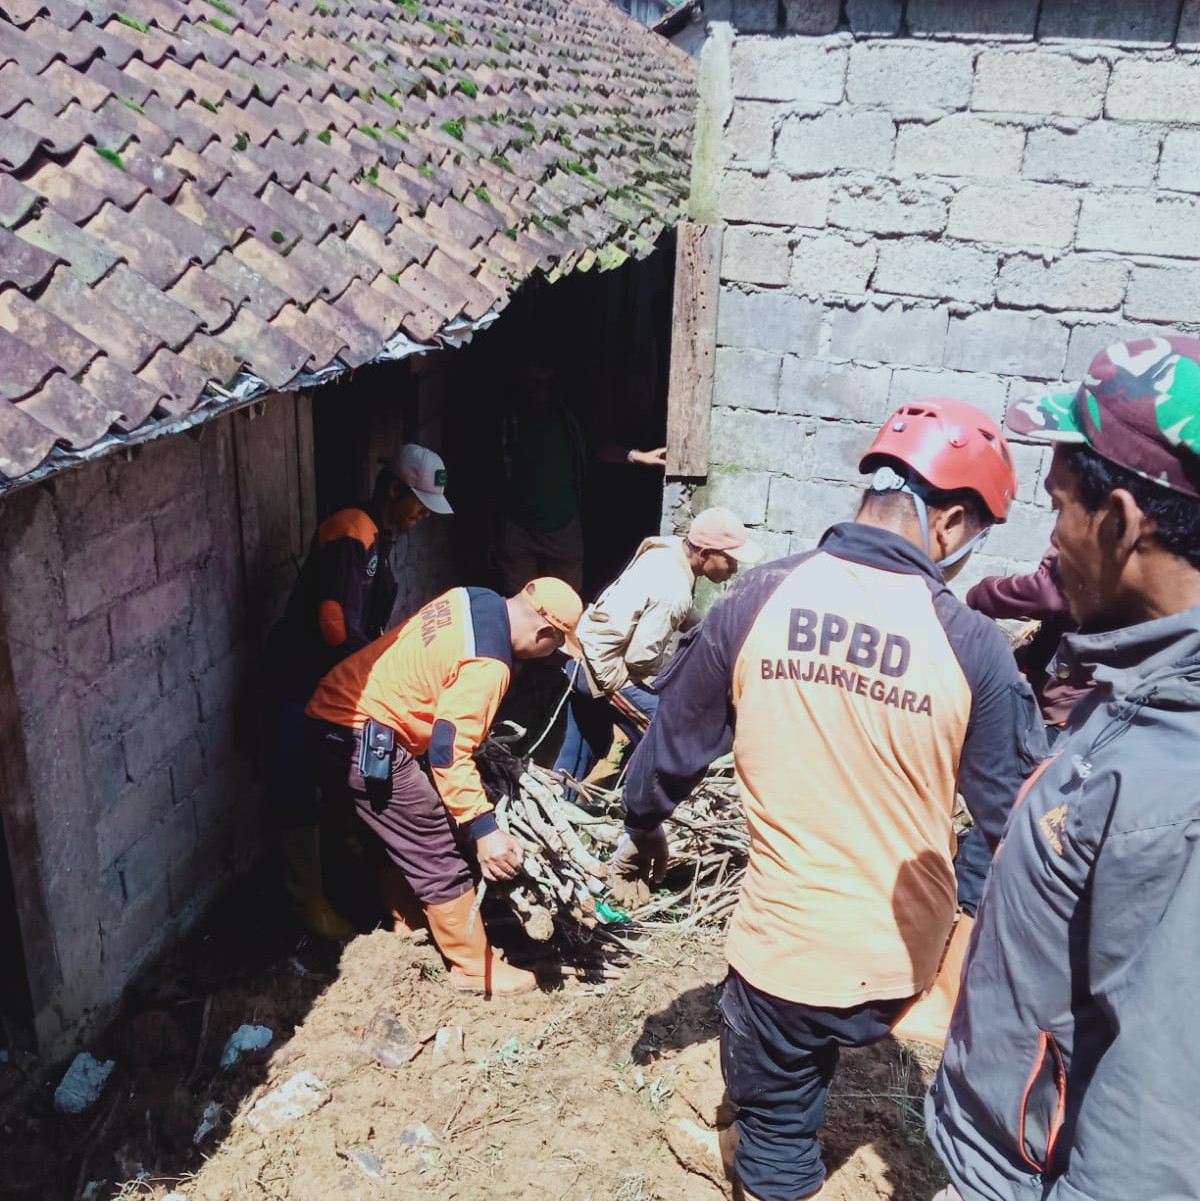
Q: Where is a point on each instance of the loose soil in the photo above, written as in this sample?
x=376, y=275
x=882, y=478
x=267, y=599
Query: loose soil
x=594, y=1088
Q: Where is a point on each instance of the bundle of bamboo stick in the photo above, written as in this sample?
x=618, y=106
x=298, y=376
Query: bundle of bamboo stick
x=567, y=843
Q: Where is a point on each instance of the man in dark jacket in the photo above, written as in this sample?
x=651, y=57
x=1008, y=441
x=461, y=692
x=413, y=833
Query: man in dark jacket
x=1070, y=1072
x=858, y=694
x=341, y=601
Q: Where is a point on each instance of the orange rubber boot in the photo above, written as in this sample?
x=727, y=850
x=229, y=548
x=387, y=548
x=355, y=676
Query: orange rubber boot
x=474, y=965
x=399, y=902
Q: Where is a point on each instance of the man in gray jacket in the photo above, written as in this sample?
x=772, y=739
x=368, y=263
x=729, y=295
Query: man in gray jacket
x=1070, y=1072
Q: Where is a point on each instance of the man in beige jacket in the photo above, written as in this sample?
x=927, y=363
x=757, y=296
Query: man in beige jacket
x=628, y=633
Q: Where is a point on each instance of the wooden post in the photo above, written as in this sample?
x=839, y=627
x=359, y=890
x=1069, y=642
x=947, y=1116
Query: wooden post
x=693, y=348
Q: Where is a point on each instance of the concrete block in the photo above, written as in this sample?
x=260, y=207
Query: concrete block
x=755, y=16
x=842, y=390
x=187, y=769
x=1180, y=165
x=880, y=18
x=979, y=565
x=768, y=320
x=836, y=140
x=105, y=766
x=883, y=206
x=986, y=392
x=39, y=677
x=137, y=809
x=1077, y=281
x=182, y=535
x=216, y=799
x=776, y=544
x=119, y=697
x=755, y=256
x=1140, y=223
x=1019, y=81
x=202, y=873
x=1031, y=463
x=1008, y=19
x=152, y=739
x=84, y=503
x=775, y=199
x=746, y=379
x=789, y=69
x=903, y=76
x=132, y=936
x=1130, y=152
x=225, y=683
x=756, y=441
x=940, y=270
x=1008, y=343
x=1015, y=214
x=742, y=492
x=109, y=568
x=809, y=508
x=1165, y=90
x=88, y=648
x=1188, y=34
x=811, y=16
x=1144, y=23
x=832, y=263
x=896, y=335
x=959, y=145
x=1164, y=292
x=837, y=448
x=750, y=134
x=1024, y=536
x=1088, y=340
x=147, y=617
x=160, y=473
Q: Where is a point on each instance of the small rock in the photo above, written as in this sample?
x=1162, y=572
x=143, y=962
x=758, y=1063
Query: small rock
x=176, y=1197
x=390, y=1042
x=300, y=1095
x=245, y=1038
x=418, y=1136
x=83, y=1083
x=448, y=1045
x=370, y=1163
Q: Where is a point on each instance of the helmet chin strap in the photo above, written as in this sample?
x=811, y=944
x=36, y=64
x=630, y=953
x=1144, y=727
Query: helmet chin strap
x=887, y=479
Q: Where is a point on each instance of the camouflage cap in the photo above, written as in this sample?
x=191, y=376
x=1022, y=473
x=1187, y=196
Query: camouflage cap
x=1138, y=407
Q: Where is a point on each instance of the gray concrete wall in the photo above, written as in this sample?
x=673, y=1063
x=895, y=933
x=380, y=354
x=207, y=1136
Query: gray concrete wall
x=933, y=198
x=133, y=590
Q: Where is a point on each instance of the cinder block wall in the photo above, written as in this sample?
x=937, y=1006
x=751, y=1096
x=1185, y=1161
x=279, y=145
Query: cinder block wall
x=133, y=590
x=933, y=198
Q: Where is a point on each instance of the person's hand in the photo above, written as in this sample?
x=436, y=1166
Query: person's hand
x=649, y=458
x=500, y=855
x=639, y=862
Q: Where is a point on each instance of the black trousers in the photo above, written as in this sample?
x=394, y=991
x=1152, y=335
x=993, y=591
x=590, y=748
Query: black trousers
x=778, y=1058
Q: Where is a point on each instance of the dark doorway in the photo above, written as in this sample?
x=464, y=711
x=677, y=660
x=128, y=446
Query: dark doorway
x=16, y=1009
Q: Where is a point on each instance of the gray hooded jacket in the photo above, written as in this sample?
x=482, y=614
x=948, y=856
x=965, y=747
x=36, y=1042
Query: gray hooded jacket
x=1072, y=1066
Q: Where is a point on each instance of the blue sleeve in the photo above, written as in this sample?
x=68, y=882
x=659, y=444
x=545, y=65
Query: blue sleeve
x=694, y=723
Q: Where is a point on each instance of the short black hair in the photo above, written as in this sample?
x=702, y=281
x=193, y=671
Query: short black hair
x=383, y=486
x=978, y=515
x=1176, y=516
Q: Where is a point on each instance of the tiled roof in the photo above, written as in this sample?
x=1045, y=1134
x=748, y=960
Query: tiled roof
x=198, y=193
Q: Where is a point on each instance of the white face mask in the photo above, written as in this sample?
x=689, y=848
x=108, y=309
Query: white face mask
x=887, y=479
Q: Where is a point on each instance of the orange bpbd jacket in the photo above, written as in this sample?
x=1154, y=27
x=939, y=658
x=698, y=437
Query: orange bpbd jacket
x=857, y=693
x=437, y=681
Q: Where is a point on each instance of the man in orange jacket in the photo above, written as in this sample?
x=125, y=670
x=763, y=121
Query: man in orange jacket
x=433, y=686
x=341, y=600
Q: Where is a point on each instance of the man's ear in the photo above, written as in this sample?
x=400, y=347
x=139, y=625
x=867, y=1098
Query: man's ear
x=1126, y=525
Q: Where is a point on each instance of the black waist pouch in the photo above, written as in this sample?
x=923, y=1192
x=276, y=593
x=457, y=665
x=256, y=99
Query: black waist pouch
x=376, y=750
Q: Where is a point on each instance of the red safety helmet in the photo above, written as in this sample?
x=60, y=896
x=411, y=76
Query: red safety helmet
x=949, y=444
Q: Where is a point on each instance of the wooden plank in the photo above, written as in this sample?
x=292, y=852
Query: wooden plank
x=693, y=348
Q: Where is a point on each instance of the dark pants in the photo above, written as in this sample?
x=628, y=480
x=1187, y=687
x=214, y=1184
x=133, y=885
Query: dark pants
x=406, y=813
x=291, y=773
x=590, y=721
x=778, y=1058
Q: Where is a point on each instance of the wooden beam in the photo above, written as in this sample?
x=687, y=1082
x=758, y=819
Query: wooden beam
x=693, y=348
